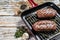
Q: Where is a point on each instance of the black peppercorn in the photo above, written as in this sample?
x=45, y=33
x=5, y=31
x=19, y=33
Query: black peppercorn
x=23, y=6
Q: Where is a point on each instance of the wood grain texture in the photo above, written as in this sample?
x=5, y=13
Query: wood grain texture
x=11, y=21
x=7, y=33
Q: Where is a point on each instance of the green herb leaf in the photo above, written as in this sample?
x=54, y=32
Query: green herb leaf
x=19, y=32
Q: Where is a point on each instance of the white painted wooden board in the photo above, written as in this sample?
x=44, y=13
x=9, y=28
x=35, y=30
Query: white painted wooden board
x=8, y=7
x=7, y=33
x=11, y=21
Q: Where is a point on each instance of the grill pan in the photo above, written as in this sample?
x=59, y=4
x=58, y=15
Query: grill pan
x=30, y=17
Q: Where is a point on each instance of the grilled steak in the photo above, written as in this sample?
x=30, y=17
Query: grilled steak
x=46, y=12
x=44, y=25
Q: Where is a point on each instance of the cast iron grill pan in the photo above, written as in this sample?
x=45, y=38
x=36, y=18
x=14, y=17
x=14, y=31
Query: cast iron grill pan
x=30, y=17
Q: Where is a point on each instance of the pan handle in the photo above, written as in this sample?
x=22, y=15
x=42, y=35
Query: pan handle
x=33, y=4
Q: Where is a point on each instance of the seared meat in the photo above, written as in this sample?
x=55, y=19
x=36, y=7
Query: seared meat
x=44, y=25
x=46, y=12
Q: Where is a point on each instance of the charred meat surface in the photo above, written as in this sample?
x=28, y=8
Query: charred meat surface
x=44, y=25
x=46, y=12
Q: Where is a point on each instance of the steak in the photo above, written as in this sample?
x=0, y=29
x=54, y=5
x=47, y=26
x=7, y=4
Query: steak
x=46, y=12
x=44, y=25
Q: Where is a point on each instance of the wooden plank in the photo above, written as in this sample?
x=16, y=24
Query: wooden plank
x=11, y=21
x=12, y=7
x=7, y=33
